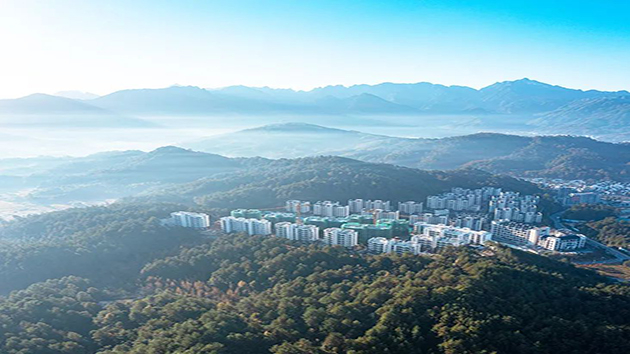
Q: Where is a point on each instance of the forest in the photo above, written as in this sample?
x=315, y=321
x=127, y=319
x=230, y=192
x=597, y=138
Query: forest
x=610, y=231
x=241, y=294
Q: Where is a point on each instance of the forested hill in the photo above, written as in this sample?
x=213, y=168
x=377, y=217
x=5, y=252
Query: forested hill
x=269, y=183
x=241, y=294
x=567, y=157
x=180, y=175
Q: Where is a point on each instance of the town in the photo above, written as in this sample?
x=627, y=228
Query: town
x=460, y=217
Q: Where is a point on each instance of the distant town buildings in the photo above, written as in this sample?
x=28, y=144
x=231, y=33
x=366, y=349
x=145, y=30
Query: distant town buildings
x=192, y=220
x=581, y=198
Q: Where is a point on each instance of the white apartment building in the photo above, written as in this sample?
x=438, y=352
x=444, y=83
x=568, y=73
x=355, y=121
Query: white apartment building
x=356, y=206
x=517, y=215
x=383, y=245
x=429, y=218
x=297, y=232
x=330, y=209
x=292, y=206
x=473, y=222
x=377, y=244
x=230, y=224
x=192, y=220
x=386, y=215
x=517, y=233
x=438, y=236
x=563, y=242
x=410, y=207
x=377, y=204
x=340, y=237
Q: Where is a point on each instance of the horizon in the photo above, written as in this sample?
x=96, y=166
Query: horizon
x=100, y=47
x=57, y=93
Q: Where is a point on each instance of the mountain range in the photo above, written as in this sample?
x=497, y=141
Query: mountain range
x=569, y=157
x=536, y=106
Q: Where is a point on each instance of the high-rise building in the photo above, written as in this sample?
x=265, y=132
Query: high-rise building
x=563, y=242
x=340, y=237
x=356, y=206
x=330, y=209
x=581, y=198
x=292, y=206
x=410, y=207
x=377, y=204
x=297, y=232
x=439, y=236
x=230, y=224
x=517, y=233
x=192, y=220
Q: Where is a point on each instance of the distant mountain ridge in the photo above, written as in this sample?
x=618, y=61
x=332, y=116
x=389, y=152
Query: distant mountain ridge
x=534, y=104
x=48, y=110
x=539, y=156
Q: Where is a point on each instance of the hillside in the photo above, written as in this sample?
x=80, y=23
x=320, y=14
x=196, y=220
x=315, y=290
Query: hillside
x=175, y=174
x=269, y=183
x=549, y=156
x=602, y=115
x=242, y=294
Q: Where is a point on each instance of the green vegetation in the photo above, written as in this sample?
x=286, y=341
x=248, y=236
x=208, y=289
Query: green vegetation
x=588, y=212
x=241, y=294
x=107, y=244
x=609, y=231
x=271, y=183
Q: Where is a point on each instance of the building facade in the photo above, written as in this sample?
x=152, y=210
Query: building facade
x=191, y=220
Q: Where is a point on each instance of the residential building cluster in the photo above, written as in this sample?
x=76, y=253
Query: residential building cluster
x=462, y=199
x=458, y=218
x=513, y=206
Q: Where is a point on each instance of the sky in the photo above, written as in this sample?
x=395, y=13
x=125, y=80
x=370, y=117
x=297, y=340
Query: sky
x=107, y=45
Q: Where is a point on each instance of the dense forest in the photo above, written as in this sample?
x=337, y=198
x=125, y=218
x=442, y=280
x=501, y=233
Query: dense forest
x=590, y=212
x=271, y=182
x=106, y=244
x=182, y=176
x=241, y=294
x=609, y=231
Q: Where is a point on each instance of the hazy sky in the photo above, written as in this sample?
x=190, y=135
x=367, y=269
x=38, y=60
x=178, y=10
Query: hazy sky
x=106, y=45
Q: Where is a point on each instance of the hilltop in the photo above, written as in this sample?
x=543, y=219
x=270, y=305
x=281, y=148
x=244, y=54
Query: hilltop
x=542, y=156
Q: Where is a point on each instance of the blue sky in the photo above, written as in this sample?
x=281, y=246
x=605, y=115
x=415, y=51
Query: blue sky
x=103, y=46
